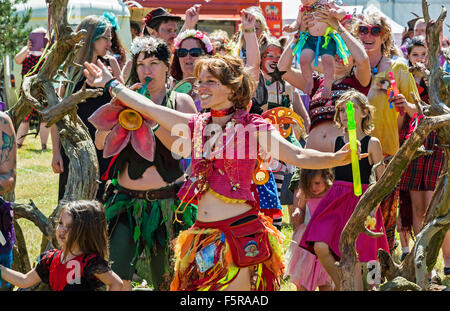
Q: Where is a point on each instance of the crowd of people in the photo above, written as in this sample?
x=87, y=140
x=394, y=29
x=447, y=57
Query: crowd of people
x=194, y=176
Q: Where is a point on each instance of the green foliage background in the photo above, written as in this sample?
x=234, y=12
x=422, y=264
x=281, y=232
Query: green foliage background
x=14, y=31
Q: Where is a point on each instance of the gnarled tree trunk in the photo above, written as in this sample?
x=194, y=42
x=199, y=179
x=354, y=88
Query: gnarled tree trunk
x=38, y=90
x=420, y=261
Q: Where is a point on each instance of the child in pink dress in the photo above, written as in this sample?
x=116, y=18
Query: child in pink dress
x=323, y=232
x=303, y=268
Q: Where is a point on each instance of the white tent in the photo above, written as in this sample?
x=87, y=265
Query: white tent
x=290, y=9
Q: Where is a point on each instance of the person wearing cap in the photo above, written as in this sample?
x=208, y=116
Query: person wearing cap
x=160, y=23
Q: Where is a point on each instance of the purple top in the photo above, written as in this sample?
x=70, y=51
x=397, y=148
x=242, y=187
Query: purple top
x=7, y=226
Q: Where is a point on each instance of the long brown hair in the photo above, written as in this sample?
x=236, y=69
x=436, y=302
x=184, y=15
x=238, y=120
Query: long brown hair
x=359, y=99
x=307, y=175
x=230, y=71
x=89, y=228
x=95, y=28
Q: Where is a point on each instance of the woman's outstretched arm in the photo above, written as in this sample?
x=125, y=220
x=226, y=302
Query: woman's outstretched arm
x=97, y=75
x=279, y=148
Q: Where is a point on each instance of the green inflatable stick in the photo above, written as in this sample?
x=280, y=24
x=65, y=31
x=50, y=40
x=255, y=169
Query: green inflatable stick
x=351, y=126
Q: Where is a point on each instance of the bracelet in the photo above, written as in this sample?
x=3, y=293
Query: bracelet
x=105, y=89
x=155, y=127
x=249, y=30
x=116, y=89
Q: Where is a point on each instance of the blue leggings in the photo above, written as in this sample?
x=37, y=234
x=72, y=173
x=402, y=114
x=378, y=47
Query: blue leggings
x=6, y=261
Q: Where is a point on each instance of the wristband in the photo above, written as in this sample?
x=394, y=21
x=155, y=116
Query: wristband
x=249, y=30
x=105, y=89
x=114, y=88
x=155, y=127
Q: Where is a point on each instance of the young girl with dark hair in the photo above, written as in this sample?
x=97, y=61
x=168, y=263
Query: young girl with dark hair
x=81, y=263
x=304, y=269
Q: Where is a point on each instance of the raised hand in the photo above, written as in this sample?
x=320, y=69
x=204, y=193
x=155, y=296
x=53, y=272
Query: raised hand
x=248, y=20
x=328, y=17
x=97, y=75
x=192, y=16
x=344, y=154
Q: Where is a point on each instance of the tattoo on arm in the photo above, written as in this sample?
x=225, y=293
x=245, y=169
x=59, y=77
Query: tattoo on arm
x=6, y=147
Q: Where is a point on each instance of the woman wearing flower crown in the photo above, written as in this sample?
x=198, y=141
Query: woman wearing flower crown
x=231, y=245
x=141, y=199
x=189, y=46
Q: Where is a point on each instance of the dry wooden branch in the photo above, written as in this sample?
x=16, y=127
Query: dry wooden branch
x=37, y=90
x=32, y=213
x=423, y=245
x=375, y=194
x=399, y=284
x=419, y=262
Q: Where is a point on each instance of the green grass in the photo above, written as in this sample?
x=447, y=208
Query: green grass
x=36, y=181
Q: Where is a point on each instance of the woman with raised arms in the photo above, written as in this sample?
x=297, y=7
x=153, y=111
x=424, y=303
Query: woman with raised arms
x=231, y=246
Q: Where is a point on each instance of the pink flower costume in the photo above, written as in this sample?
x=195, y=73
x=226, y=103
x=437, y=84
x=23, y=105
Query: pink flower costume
x=126, y=125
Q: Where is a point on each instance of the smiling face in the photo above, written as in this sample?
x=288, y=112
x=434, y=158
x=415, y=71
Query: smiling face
x=270, y=58
x=187, y=62
x=417, y=54
x=151, y=67
x=212, y=93
x=103, y=44
x=370, y=41
x=63, y=228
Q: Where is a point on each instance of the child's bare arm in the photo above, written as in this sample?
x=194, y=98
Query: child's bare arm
x=296, y=25
x=376, y=155
x=19, y=279
x=110, y=279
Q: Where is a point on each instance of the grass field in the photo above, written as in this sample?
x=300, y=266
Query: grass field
x=36, y=181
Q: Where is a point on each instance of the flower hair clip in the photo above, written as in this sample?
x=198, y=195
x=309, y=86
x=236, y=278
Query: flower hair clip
x=146, y=44
x=192, y=33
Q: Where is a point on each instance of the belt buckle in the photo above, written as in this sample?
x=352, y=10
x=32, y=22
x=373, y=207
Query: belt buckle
x=148, y=198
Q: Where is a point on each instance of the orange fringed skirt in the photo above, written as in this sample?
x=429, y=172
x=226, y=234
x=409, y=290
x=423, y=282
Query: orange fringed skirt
x=222, y=270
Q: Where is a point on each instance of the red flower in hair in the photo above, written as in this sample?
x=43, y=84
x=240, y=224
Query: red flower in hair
x=148, y=17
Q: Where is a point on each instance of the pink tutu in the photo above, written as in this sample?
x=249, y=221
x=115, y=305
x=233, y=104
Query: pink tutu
x=304, y=269
x=330, y=217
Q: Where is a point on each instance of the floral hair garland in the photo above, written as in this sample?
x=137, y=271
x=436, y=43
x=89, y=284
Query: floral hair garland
x=192, y=33
x=146, y=44
x=150, y=45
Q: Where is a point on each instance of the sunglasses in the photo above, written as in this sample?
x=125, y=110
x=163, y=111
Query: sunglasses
x=374, y=30
x=195, y=52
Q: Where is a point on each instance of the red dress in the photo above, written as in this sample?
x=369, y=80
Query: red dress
x=75, y=275
x=422, y=173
